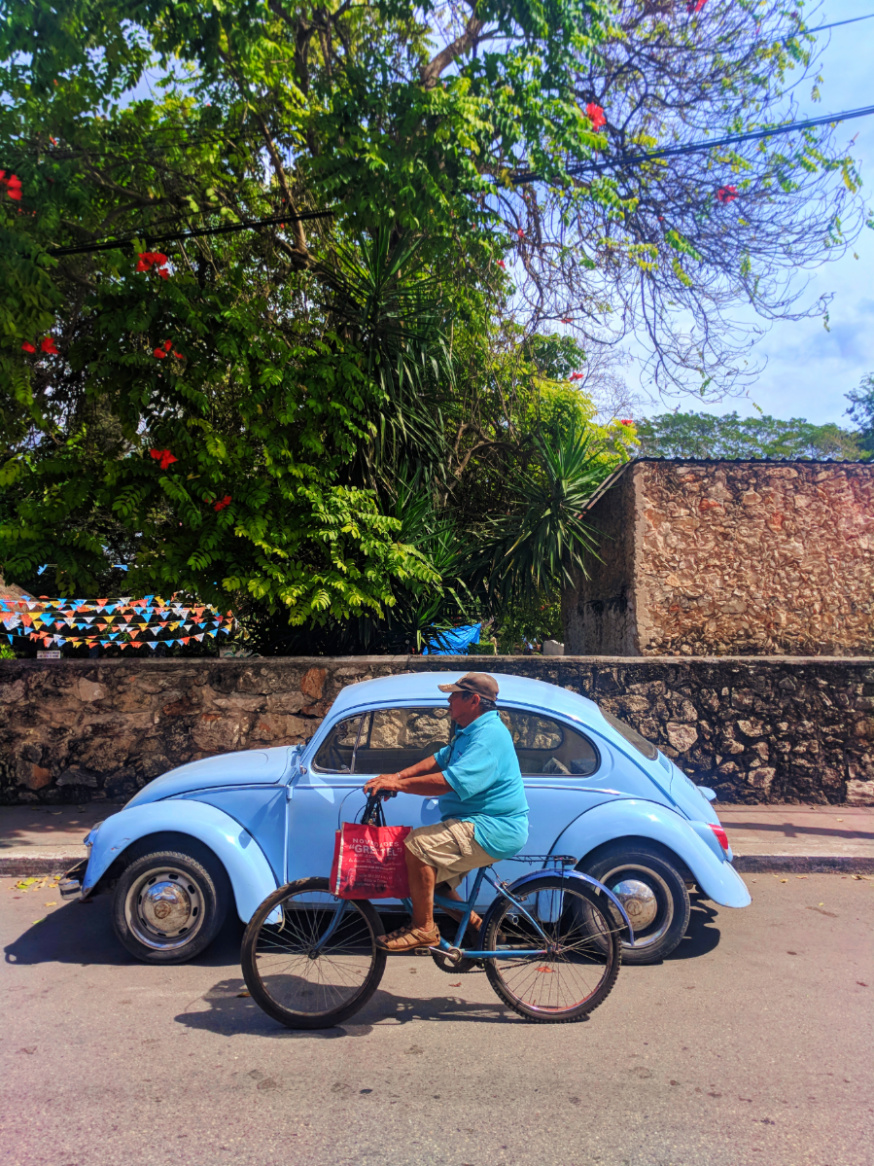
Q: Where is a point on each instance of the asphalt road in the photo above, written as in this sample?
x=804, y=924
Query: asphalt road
x=753, y=1044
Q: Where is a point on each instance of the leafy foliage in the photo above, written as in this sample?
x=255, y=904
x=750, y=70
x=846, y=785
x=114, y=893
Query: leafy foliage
x=703, y=435
x=861, y=410
x=362, y=417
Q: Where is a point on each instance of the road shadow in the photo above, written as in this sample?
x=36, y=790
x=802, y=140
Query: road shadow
x=231, y=1011
x=702, y=936
x=81, y=933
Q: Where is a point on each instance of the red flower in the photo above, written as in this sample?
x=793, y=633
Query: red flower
x=164, y=457
x=178, y=355
x=149, y=259
x=695, y=6
x=595, y=114
x=502, y=264
x=12, y=184
x=627, y=421
x=726, y=193
x=577, y=376
x=159, y=353
x=168, y=344
x=521, y=233
x=28, y=347
x=566, y=320
x=47, y=344
x=226, y=501
x=54, y=141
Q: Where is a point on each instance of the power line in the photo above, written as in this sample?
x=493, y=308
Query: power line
x=702, y=147
x=835, y=24
x=244, y=225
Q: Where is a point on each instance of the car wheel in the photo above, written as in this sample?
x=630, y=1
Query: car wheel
x=169, y=905
x=653, y=893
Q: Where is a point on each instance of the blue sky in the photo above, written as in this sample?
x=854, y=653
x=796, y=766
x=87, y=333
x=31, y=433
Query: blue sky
x=809, y=369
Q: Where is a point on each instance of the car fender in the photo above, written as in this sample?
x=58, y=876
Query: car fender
x=629, y=817
x=247, y=867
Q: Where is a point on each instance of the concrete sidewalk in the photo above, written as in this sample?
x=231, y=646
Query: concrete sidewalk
x=45, y=839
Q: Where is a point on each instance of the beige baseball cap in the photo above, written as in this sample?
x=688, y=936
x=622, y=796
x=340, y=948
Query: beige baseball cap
x=479, y=682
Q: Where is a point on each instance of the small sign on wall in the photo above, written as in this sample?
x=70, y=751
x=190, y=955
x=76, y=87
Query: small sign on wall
x=49, y=654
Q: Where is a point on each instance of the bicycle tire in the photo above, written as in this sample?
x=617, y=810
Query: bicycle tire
x=570, y=982
x=288, y=980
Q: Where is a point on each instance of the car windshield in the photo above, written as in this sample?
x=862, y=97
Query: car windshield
x=631, y=736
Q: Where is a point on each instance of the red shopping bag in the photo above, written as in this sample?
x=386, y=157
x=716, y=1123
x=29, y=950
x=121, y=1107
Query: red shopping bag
x=369, y=862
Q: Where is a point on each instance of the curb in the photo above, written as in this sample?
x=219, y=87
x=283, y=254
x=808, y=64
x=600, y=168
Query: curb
x=26, y=863
x=807, y=864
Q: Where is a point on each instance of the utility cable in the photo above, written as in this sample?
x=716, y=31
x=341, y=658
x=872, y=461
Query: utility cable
x=703, y=147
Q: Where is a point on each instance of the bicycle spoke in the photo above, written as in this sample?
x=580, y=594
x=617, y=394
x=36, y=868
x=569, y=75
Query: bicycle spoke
x=581, y=943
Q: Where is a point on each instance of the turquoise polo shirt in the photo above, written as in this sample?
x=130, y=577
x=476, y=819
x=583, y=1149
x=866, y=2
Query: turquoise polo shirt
x=481, y=766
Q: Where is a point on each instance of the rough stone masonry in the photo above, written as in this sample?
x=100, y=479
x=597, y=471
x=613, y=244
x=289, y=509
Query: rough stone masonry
x=729, y=558
x=757, y=729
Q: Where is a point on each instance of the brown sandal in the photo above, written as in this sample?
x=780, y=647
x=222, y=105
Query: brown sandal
x=409, y=939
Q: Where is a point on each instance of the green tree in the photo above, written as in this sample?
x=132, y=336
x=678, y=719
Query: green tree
x=451, y=214
x=703, y=435
x=861, y=410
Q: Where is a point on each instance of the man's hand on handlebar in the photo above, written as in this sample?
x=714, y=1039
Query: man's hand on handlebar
x=386, y=783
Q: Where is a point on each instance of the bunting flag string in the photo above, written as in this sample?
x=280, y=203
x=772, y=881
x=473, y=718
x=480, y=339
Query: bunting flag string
x=54, y=622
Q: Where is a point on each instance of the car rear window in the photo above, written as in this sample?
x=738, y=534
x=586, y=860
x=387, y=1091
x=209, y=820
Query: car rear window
x=631, y=736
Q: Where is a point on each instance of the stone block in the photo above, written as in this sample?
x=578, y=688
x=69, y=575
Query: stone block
x=312, y=683
x=860, y=793
x=12, y=693
x=76, y=776
x=38, y=777
x=761, y=778
x=88, y=690
x=682, y=737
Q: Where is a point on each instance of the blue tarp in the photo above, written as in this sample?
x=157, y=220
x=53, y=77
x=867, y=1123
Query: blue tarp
x=454, y=642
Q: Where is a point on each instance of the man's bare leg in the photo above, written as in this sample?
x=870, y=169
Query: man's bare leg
x=448, y=892
x=422, y=881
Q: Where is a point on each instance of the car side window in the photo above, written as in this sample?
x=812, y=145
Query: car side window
x=337, y=752
x=546, y=747
x=393, y=739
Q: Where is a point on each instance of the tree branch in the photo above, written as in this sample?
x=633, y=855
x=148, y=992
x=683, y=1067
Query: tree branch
x=461, y=44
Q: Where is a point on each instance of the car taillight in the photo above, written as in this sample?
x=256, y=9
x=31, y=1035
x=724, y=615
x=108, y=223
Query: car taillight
x=721, y=836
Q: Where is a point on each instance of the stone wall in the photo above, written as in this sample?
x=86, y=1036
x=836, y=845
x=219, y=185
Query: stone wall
x=730, y=558
x=766, y=729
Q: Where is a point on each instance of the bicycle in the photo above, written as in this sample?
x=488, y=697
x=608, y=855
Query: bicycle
x=551, y=948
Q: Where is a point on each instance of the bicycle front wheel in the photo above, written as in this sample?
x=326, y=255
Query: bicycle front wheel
x=309, y=959
x=583, y=951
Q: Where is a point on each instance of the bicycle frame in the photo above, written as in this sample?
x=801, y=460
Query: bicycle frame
x=467, y=907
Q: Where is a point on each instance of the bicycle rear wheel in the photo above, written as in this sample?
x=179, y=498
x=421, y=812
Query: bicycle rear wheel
x=583, y=957
x=305, y=967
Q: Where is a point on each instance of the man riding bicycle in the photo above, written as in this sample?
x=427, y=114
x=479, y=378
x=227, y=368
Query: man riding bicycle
x=482, y=799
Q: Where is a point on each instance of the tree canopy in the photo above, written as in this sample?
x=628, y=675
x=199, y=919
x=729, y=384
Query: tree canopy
x=298, y=298
x=861, y=411
x=703, y=435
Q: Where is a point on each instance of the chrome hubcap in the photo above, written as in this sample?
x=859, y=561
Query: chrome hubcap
x=639, y=901
x=164, y=909
x=166, y=906
x=646, y=898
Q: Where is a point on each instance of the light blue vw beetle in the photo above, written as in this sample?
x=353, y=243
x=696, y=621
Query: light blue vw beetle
x=238, y=826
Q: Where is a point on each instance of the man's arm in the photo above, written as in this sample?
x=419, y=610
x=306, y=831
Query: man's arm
x=423, y=778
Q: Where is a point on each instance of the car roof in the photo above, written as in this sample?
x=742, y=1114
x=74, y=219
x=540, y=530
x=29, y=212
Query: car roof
x=410, y=687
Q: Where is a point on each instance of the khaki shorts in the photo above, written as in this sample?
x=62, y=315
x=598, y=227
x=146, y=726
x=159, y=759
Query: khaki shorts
x=449, y=846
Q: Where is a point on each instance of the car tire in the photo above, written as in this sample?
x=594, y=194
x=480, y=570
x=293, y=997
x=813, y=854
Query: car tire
x=169, y=905
x=653, y=893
